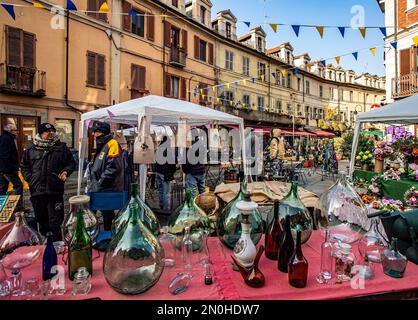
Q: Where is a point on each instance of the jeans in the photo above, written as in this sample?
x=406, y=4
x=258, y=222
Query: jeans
x=193, y=181
x=13, y=178
x=164, y=189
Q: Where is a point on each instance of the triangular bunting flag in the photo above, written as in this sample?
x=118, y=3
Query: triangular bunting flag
x=323, y=62
x=394, y=44
x=71, y=6
x=132, y=13
x=383, y=30
x=210, y=99
x=253, y=79
x=338, y=59
x=244, y=81
x=231, y=103
x=284, y=72
x=296, y=29
x=247, y=23
x=164, y=16
x=274, y=26
x=415, y=39
x=195, y=93
x=355, y=54
x=342, y=31
x=274, y=74
x=201, y=91
x=363, y=32
x=320, y=30
x=217, y=100
x=10, y=10
x=236, y=83
x=104, y=8
x=373, y=51
x=296, y=70
x=207, y=90
x=214, y=88
x=220, y=87
x=227, y=85
x=110, y=113
x=262, y=77
x=38, y=5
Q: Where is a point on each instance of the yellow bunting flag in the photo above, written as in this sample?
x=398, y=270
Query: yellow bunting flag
x=217, y=100
x=415, y=39
x=363, y=32
x=164, y=16
x=320, y=30
x=338, y=59
x=38, y=5
x=104, y=8
x=274, y=26
x=284, y=72
x=201, y=91
x=227, y=85
x=231, y=103
x=373, y=51
x=214, y=88
x=244, y=81
x=262, y=77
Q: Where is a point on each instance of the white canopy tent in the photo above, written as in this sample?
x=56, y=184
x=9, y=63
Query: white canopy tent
x=404, y=112
x=159, y=111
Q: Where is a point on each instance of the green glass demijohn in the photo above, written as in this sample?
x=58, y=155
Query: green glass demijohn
x=134, y=260
x=149, y=218
x=228, y=224
x=299, y=214
x=195, y=217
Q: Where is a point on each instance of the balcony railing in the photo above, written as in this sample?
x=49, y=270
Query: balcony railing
x=178, y=57
x=406, y=85
x=22, y=81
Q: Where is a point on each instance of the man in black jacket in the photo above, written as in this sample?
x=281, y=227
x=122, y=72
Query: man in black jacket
x=195, y=168
x=9, y=163
x=46, y=165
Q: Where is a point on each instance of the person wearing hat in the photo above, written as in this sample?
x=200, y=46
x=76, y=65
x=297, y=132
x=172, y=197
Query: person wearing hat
x=9, y=163
x=105, y=173
x=46, y=165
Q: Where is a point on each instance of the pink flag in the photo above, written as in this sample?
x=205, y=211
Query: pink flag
x=110, y=113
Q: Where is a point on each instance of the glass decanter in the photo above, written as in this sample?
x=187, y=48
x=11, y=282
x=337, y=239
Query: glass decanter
x=299, y=214
x=393, y=262
x=134, y=260
x=149, y=218
x=168, y=242
x=189, y=214
x=372, y=244
x=342, y=212
x=90, y=221
x=228, y=224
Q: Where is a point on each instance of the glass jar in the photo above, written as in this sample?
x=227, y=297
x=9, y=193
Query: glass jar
x=344, y=261
x=168, y=242
x=299, y=215
x=393, y=262
x=82, y=282
x=372, y=244
x=342, y=212
x=90, y=220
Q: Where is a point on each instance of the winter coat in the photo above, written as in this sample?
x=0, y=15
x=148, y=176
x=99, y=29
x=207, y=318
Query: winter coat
x=9, y=159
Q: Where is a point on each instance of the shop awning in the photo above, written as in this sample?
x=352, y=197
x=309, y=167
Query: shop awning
x=321, y=133
x=288, y=132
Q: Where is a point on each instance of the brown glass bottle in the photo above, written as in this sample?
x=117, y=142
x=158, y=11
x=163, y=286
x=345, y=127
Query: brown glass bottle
x=274, y=235
x=298, y=265
x=287, y=247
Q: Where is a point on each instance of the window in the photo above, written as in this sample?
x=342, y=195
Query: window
x=321, y=91
x=202, y=14
x=375, y=99
x=202, y=50
x=229, y=60
x=93, y=7
x=330, y=75
x=289, y=79
x=138, y=23
x=289, y=108
x=340, y=95
x=279, y=106
x=95, y=70
x=229, y=96
x=287, y=57
x=307, y=87
x=261, y=71
x=331, y=93
x=299, y=82
x=260, y=103
x=260, y=44
x=20, y=48
x=137, y=81
x=351, y=96
x=228, y=30
x=315, y=113
x=321, y=113
x=246, y=66
x=246, y=100
x=174, y=87
x=339, y=77
x=175, y=3
x=65, y=131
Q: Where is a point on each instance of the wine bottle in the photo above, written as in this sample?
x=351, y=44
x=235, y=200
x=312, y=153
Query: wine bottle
x=80, y=249
x=49, y=259
x=298, y=265
x=274, y=234
x=287, y=248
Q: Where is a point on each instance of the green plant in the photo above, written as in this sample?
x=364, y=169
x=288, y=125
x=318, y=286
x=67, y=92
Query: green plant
x=366, y=143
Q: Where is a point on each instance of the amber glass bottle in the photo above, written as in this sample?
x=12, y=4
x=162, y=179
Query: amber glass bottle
x=287, y=247
x=274, y=234
x=298, y=265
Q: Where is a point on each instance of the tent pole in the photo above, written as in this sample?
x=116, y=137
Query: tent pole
x=354, y=147
x=80, y=156
x=244, y=153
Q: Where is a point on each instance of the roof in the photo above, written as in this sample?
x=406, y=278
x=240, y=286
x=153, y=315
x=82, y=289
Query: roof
x=244, y=37
x=227, y=12
x=302, y=55
x=280, y=46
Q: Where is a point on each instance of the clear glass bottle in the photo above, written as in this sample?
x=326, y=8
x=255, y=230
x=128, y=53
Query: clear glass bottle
x=16, y=284
x=180, y=283
x=325, y=273
x=187, y=250
x=168, y=242
x=372, y=244
x=393, y=262
x=82, y=282
x=344, y=261
x=90, y=221
x=299, y=215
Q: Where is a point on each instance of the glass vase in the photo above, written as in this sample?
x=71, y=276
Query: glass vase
x=134, y=261
x=372, y=244
x=393, y=262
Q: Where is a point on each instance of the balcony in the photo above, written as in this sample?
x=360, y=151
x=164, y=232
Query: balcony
x=407, y=85
x=22, y=81
x=177, y=57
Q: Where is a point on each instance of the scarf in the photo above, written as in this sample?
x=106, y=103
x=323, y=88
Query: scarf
x=41, y=144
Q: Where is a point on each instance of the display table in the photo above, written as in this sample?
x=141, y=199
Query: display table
x=4, y=228
x=391, y=188
x=228, y=284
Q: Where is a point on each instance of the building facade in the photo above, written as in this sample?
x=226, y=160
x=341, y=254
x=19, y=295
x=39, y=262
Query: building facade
x=53, y=68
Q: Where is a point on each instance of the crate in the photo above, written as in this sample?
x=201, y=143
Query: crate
x=108, y=200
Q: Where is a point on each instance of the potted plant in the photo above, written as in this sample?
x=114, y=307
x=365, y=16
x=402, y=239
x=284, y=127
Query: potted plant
x=365, y=159
x=411, y=197
x=381, y=152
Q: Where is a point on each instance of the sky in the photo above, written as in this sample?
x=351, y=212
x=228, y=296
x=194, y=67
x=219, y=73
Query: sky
x=315, y=12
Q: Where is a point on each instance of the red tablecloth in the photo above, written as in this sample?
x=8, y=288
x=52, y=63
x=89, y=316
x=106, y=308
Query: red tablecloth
x=229, y=284
x=4, y=227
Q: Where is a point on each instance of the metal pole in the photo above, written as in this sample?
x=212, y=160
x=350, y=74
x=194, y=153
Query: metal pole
x=396, y=49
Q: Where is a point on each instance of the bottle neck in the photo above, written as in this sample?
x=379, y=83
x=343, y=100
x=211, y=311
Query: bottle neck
x=288, y=227
x=394, y=244
x=134, y=190
x=49, y=239
x=80, y=222
x=299, y=245
x=294, y=189
x=276, y=209
x=133, y=213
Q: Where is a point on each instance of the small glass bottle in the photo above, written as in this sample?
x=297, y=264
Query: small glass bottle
x=15, y=282
x=49, y=259
x=82, y=282
x=393, y=262
x=187, y=250
x=287, y=248
x=180, y=283
x=208, y=275
x=344, y=261
x=273, y=234
x=168, y=242
x=325, y=273
x=298, y=265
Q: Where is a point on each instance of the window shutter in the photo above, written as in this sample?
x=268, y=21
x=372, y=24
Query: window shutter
x=126, y=20
x=13, y=46
x=184, y=39
x=29, y=50
x=91, y=68
x=101, y=16
x=167, y=34
x=413, y=56
x=167, y=88
x=151, y=22
x=183, y=89
x=134, y=77
x=91, y=6
x=196, y=47
x=405, y=62
x=141, y=81
x=210, y=46
x=100, y=70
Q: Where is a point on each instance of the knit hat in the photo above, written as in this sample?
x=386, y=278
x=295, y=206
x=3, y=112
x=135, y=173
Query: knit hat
x=46, y=127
